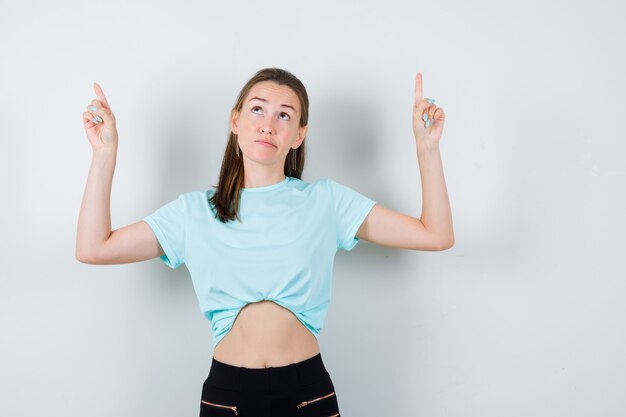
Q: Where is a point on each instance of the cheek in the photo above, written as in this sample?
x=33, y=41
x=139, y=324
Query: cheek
x=246, y=123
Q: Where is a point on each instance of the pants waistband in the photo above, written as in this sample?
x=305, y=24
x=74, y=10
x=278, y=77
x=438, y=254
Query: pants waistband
x=267, y=380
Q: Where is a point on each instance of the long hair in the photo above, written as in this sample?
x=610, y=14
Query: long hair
x=225, y=200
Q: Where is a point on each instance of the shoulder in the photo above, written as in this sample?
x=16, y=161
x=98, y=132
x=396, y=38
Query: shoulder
x=335, y=187
x=326, y=185
x=308, y=186
x=191, y=200
x=314, y=183
x=192, y=196
x=325, y=182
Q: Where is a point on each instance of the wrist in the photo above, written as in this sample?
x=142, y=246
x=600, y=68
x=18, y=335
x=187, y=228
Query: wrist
x=423, y=146
x=105, y=153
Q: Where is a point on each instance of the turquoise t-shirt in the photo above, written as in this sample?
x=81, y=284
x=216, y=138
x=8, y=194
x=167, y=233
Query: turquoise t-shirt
x=282, y=250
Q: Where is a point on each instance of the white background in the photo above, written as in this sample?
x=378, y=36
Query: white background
x=524, y=316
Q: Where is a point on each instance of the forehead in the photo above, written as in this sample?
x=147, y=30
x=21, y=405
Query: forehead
x=274, y=93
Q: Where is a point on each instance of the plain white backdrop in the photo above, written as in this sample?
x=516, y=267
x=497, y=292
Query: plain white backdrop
x=524, y=316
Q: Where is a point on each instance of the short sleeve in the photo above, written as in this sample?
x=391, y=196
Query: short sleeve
x=350, y=209
x=169, y=225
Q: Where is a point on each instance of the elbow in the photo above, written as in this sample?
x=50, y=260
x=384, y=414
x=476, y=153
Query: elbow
x=84, y=257
x=444, y=244
x=80, y=257
x=447, y=244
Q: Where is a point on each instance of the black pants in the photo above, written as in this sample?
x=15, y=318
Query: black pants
x=300, y=389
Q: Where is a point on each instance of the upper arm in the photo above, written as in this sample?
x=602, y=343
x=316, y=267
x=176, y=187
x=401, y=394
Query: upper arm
x=133, y=243
x=386, y=227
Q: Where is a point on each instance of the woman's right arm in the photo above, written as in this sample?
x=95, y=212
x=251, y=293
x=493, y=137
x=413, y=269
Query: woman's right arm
x=95, y=242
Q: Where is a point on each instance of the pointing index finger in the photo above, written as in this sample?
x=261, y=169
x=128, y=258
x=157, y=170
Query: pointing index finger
x=418, y=88
x=100, y=94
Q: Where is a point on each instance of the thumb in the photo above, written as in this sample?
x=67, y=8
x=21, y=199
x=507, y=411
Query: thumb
x=106, y=114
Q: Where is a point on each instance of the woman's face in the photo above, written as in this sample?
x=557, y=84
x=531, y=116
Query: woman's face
x=268, y=125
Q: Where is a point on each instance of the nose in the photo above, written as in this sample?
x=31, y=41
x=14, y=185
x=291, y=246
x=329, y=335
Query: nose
x=267, y=128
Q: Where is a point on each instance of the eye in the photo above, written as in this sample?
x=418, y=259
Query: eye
x=255, y=107
x=287, y=115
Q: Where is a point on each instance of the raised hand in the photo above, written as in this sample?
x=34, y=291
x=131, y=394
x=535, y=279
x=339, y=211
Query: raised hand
x=427, y=118
x=99, y=122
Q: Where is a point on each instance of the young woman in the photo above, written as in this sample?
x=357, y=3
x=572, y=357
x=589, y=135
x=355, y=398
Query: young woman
x=260, y=245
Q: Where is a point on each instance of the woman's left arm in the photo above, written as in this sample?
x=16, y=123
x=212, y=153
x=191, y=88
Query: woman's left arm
x=433, y=231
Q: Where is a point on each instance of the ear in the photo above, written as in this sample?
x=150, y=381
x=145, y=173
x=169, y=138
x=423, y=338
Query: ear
x=302, y=131
x=234, y=115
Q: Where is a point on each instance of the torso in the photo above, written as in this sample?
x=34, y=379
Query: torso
x=264, y=335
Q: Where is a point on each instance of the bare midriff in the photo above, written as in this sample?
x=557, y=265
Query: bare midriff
x=265, y=335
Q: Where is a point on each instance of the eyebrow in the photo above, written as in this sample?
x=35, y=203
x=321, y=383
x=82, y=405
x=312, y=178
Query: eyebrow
x=262, y=99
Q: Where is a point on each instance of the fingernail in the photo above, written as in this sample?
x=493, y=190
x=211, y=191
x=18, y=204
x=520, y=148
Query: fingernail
x=95, y=120
x=425, y=117
x=431, y=100
x=428, y=123
x=99, y=118
x=93, y=108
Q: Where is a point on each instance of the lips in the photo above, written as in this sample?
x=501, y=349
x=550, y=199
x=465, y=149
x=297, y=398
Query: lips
x=265, y=142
